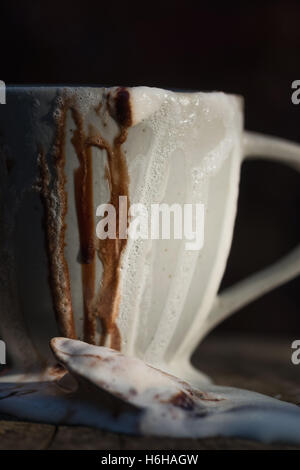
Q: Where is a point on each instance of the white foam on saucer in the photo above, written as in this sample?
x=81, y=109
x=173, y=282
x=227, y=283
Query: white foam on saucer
x=123, y=394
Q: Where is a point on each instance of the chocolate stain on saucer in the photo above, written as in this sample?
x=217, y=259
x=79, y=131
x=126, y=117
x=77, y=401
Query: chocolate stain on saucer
x=102, y=303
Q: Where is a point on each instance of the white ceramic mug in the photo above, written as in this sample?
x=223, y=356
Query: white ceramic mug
x=156, y=146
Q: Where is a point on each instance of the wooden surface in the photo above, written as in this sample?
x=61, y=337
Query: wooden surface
x=258, y=364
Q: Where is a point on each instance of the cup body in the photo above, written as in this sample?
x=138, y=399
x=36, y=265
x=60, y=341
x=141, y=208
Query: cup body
x=176, y=148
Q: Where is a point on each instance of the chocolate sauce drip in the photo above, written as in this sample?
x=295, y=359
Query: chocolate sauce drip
x=83, y=182
x=54, y=198
x=105, y=303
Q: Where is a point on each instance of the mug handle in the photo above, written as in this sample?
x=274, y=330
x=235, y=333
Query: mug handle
x=288, y=267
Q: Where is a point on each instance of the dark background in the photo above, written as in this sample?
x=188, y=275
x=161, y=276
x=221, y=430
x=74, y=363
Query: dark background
x=250, y=49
